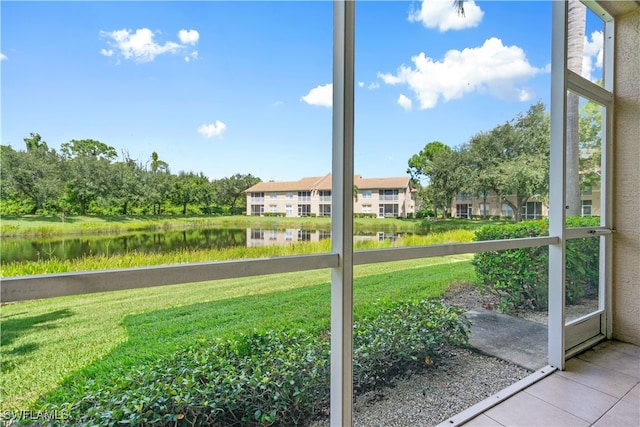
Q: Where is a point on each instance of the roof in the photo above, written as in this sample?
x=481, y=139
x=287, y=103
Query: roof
x=324, y=183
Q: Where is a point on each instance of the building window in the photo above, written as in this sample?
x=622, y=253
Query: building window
x=273, y=208
x=304, y=196
x=388, y=195
x=463, y=210
x=388, y=210
x=273, y=195
x=366, y=209
x=257, y=210
x=289, y=210
x=257, y=234
x=325, y=196
x=304, y=236
x=586, y=208
x=288, y=235
x=325, y=210
x=484, y=209
x=257, y=197
x=366, y=194
x=532, y=210
x=273, y=235
x=289, y=195
x=304, y=210
x=506, y=210
x=463, y=196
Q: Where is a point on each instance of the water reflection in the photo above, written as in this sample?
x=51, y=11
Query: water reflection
x=20, y=249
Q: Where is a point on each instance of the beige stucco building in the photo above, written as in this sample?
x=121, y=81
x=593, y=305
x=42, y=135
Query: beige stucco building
x=467, y=206
x=311, y=196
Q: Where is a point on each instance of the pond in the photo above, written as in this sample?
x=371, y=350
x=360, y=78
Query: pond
x=30, y=249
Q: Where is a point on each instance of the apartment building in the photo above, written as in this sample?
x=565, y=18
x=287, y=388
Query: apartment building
x=468, y=206
x=311, y=196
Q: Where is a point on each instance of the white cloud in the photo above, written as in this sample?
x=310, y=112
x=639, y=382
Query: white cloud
x=193, y=55
x=140, y=45
x=277, y=104
x=3, y=57
x=405, y=102
x=189, y=36
x=360, y=84
x=215, y=129
x=592, y=54
x=320, y=95
x=443, y=14
x=491, y=68
x=374, y=85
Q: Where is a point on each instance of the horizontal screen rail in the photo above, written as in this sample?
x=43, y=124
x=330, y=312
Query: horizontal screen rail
x=24, y=288
x=414, y=252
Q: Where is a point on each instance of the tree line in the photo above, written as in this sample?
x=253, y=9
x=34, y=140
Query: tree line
x=88, y=177
x=510, y=161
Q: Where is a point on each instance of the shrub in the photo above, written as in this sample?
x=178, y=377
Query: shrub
x=364, y=215
x=519, y=277
x=266, y=378
x=424, y=213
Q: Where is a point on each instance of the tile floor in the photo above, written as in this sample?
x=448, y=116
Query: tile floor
x=600, y=387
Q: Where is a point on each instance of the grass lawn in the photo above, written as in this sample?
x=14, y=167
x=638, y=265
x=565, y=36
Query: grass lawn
x=52, y=347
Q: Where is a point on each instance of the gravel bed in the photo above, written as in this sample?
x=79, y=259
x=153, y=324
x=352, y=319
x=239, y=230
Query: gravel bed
x=428, y=397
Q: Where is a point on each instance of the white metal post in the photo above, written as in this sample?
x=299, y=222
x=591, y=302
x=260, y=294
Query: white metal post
x=557, y=182
x=606, y=181
x=342, y=214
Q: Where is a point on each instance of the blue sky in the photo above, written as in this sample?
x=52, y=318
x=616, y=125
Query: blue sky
x=244, y=87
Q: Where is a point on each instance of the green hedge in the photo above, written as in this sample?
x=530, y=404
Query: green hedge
x=267, y=378
x=364, y=215
x=519, y=277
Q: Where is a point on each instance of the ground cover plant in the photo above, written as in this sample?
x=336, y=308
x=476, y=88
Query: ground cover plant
x=53, y=348
x=268, y=378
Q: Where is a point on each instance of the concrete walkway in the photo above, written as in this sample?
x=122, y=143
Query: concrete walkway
x=513, y=339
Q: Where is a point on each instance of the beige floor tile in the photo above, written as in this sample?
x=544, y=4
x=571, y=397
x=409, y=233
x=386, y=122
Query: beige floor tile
x=622, y=415
x=526, y=410
x=482, y=421
x=573, y=397
x=630, y=349
x=633, y=396
x=613, y=359
x=607, y=381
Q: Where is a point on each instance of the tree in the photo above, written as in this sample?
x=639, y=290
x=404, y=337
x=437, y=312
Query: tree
x=231, y=190
x=447, y=178
x=188, y=188
x=126, y=182
x=575, y=48
x=88, y=171
x=590, y=131
x=157, y=183
x=33, y=175
x=421, y=166
x=512, y=160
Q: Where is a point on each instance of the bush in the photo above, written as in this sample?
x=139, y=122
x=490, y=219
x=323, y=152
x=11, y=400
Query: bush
x=364, y=215
x=519, y=277
x=424, y=213
x=267, y=378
